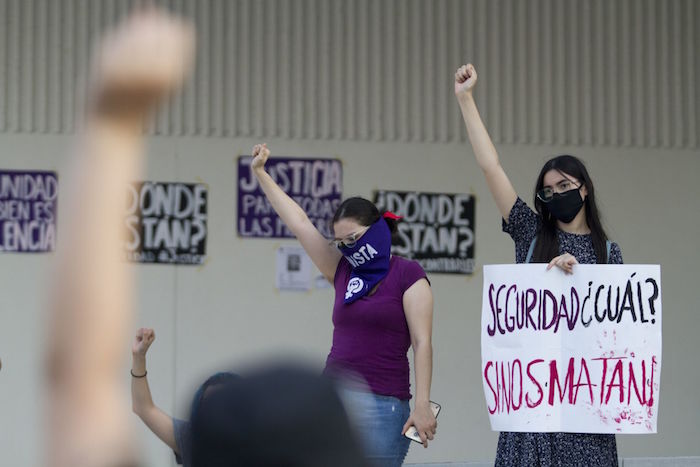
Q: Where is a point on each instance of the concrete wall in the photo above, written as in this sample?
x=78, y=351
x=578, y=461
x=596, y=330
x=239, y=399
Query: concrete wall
x=338, y=96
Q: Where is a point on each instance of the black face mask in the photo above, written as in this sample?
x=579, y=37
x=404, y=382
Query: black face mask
x=565, y=206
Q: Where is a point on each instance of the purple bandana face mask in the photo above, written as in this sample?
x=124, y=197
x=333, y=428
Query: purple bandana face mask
x=369, y=259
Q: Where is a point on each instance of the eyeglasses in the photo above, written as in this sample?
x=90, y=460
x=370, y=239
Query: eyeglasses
x=547, y=193
x=349, y=241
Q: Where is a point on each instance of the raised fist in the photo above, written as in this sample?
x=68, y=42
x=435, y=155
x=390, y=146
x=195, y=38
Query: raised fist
x=143, y=340
x=465, y=80
x=141, y=62
x=260, y=155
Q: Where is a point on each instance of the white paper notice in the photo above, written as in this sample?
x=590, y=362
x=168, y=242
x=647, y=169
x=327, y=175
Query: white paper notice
x=574, y=353
x=293, y=269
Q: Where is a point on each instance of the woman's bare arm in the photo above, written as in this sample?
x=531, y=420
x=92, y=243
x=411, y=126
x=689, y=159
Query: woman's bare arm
x=485, y=152
x=141, y=62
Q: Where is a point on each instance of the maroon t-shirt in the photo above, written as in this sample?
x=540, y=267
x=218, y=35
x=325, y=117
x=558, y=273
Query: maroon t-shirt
x=370, y=335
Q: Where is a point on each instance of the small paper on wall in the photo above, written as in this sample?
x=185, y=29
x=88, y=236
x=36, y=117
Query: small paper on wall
x=293, y=269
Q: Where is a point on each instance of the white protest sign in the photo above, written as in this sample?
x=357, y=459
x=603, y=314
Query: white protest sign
x=573, y=353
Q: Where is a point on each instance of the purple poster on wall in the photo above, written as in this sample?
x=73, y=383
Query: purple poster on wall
x=315, y=184
x=28, y=202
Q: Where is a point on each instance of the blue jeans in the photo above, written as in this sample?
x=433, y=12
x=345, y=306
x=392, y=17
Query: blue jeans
x=378, y=421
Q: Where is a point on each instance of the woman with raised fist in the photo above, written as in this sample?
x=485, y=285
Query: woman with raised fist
x=564, y=230
x=138, y=65
x=383, y=305
x=176, y=433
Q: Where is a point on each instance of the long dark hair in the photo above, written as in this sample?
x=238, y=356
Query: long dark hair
x=364, y=212
x=547, y=246
x=222, y=377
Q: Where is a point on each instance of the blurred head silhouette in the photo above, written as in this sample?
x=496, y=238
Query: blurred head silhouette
x=281, y=416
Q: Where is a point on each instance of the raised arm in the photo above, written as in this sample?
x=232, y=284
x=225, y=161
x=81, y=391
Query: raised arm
x=137, y=66
x=160, y=423
x=324, y=255
x=486, y=156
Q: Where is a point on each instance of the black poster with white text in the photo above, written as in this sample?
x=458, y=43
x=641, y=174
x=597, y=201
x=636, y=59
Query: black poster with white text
x=167, y=223
x=437, y=229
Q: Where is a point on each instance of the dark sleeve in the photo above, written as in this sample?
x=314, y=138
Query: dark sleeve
x=183, y=440
x=411, y=273
x=522, y=226
x=615, y=254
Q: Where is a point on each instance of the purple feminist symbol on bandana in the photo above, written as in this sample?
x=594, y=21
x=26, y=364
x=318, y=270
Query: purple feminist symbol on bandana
x=369, y=259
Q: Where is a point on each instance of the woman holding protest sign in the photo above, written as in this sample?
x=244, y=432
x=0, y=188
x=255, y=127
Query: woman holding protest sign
x=383, y=304
x=564, y=231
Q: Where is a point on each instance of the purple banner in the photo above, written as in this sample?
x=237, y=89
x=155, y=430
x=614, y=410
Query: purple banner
x=315, y=184
x=28, y=202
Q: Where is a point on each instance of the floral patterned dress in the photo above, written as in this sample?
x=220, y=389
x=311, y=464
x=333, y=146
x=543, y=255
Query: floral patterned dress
x=554, y=449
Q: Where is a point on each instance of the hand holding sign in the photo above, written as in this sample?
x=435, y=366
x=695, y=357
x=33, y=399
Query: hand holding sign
x=564, y=262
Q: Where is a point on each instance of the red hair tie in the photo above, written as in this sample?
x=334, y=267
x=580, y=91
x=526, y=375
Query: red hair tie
x=391, y=215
